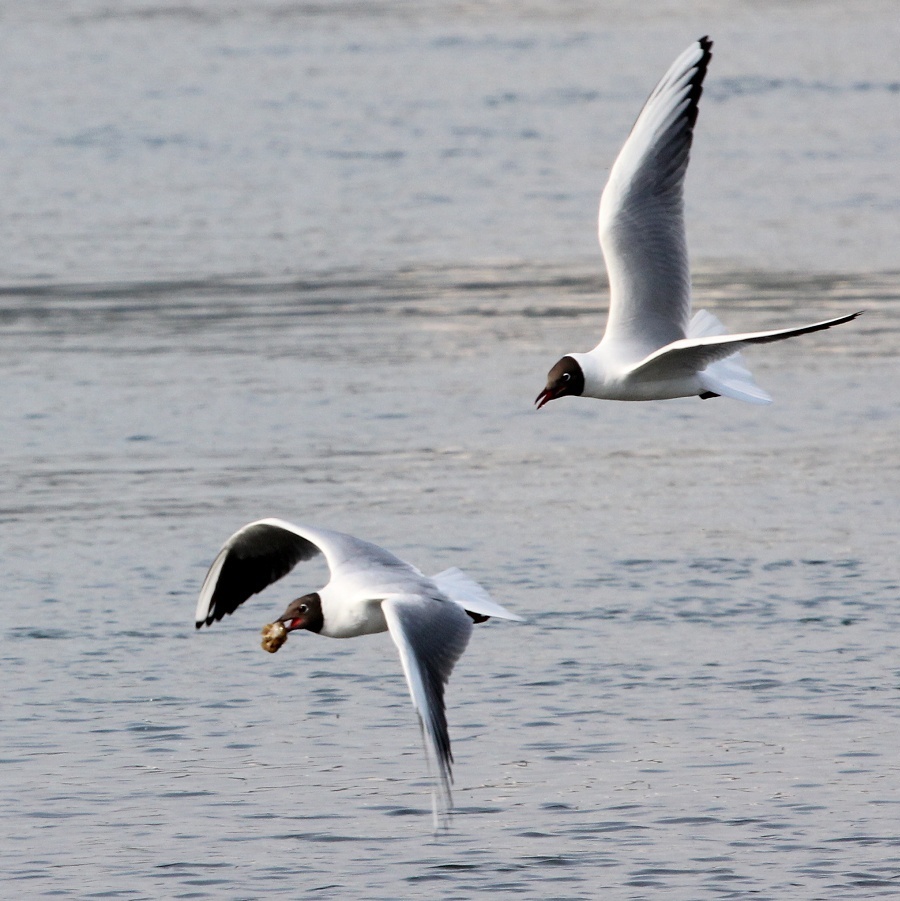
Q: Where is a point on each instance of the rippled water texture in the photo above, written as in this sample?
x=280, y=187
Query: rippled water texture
x=702, y=702
x=141, y=139
x=314, y=261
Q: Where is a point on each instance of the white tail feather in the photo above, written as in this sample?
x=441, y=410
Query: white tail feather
x=729, y=377
x=469, y=594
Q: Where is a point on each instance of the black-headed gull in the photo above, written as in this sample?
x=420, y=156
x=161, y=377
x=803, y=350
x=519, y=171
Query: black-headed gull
x=370, y=590
x=652, y=349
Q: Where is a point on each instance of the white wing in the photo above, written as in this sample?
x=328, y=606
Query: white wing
x=470, y=595
x=690, y=355
x=430, y=635
x=641, y=220
x=264, y=551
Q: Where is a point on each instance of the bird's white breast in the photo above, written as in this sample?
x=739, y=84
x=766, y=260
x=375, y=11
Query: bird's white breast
x=351, y=602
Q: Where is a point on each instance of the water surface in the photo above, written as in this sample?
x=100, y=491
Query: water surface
x=313, y=261
x=702, y=702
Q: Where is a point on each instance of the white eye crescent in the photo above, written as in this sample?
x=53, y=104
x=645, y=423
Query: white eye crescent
x=566, y=376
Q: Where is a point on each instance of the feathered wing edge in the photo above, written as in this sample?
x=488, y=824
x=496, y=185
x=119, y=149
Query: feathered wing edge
x=693, y=355
x=430, y=635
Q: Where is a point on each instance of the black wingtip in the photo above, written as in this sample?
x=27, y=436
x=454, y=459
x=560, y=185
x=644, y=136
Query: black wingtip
x=693, y=106
x=702, y=65
x=842, y=319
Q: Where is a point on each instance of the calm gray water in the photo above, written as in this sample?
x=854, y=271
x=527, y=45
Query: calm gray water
x=232, y=322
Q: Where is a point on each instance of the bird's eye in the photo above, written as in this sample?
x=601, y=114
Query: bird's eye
x=566, y=376
x=303, y=609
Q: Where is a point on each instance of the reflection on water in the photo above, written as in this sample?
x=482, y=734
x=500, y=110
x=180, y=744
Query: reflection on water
x=504, y=292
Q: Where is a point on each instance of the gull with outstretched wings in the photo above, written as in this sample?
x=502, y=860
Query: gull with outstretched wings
x=653, y=349
x=370, y=590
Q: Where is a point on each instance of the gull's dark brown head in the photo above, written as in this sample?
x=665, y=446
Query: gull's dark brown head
x=304, y=613
x=564, y=378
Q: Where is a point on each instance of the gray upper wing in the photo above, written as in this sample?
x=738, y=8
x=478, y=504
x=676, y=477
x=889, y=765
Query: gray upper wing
x=431, y=635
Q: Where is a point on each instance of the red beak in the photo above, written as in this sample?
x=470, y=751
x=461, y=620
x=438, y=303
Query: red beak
x=545, y=396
